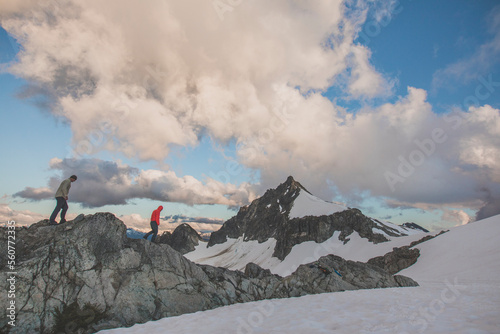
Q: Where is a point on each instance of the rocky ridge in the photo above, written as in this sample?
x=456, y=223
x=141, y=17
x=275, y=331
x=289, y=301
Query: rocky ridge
x=88, y=266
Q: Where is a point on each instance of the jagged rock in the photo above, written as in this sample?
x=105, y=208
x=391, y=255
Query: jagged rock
x=184, y=239
x=404, y=280
x=260, y=220
x=415, y=226
x=320, y=229
x=333, y=273
x=268, y=217
x=400, y=258
x=92, y=263
x=255, y=271
x=426, y=238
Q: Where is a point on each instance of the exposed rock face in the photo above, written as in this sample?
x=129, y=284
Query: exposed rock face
x=400, y=258
x=426, y=238
x=263, y=217
x=184, y=239
x=92, y=263
x=320, y=229
x=268, y=217
x=415, y=227
x=333, y=273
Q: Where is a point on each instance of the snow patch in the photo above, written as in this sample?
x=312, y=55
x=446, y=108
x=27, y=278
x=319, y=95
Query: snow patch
x=235, y=254
x=356, y=249
x=309, y=205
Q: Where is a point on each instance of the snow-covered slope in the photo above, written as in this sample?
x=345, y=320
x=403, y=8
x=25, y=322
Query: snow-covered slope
x=459, y=273
x=470, y=253
x=236, y=253
x=307, y=204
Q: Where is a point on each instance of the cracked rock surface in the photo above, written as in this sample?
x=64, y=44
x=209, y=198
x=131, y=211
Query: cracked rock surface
x=91, y=261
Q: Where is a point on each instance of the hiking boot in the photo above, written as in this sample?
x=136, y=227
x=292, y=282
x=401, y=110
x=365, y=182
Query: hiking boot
x=62, y=221
x=53, y=223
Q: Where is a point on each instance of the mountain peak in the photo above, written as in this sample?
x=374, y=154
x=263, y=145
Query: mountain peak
x=290, y=214
x=292, y=184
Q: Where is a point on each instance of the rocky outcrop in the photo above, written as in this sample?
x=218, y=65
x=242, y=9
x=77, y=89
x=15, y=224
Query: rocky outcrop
x=400, y=258
x=427, y=238
x=86, y=275
x=184, y=239
x=268, y=217
x=263, y=217
x=333, y=273
x=320, y=229
x=414, y=226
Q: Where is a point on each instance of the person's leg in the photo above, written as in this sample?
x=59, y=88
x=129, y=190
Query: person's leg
x=64, y=210
x=58, y=208
x=152, y=224
x=155, y=231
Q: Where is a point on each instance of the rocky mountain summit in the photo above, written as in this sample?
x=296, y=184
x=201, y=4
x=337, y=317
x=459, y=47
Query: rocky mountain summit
x=86, y=275
x=292, y=215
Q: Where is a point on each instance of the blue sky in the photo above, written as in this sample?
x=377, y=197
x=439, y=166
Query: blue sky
x=206, y=113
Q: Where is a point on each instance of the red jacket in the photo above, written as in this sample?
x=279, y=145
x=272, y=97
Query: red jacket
x=155, y=217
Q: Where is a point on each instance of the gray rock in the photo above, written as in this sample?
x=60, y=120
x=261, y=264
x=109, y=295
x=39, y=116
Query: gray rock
x=184, y=239
x=116, y=281
x=253, y=270
x=400, y=258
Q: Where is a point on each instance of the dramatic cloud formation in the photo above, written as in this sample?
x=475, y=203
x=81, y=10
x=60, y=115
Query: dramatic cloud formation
x=141, y=79
x=106, y=183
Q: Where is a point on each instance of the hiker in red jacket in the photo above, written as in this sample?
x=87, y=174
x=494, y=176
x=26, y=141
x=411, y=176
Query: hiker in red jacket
x=155, y=221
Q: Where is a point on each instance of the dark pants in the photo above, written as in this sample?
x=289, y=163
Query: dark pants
x=61, y=205
x=154, y=231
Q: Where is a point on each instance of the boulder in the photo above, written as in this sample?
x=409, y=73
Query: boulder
x=400, y=258
x=184, y=239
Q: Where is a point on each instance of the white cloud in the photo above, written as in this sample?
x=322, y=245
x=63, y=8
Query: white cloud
x=162, y=74
x=139, y=79
x=459, y=217
x=113, y=183
x=365, y=81
x=23, y=217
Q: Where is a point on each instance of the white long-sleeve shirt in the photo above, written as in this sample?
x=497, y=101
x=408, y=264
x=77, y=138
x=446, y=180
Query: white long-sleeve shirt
x=63, y=189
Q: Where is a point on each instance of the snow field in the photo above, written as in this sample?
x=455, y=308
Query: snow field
x=236, y=253
x=395, y=310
